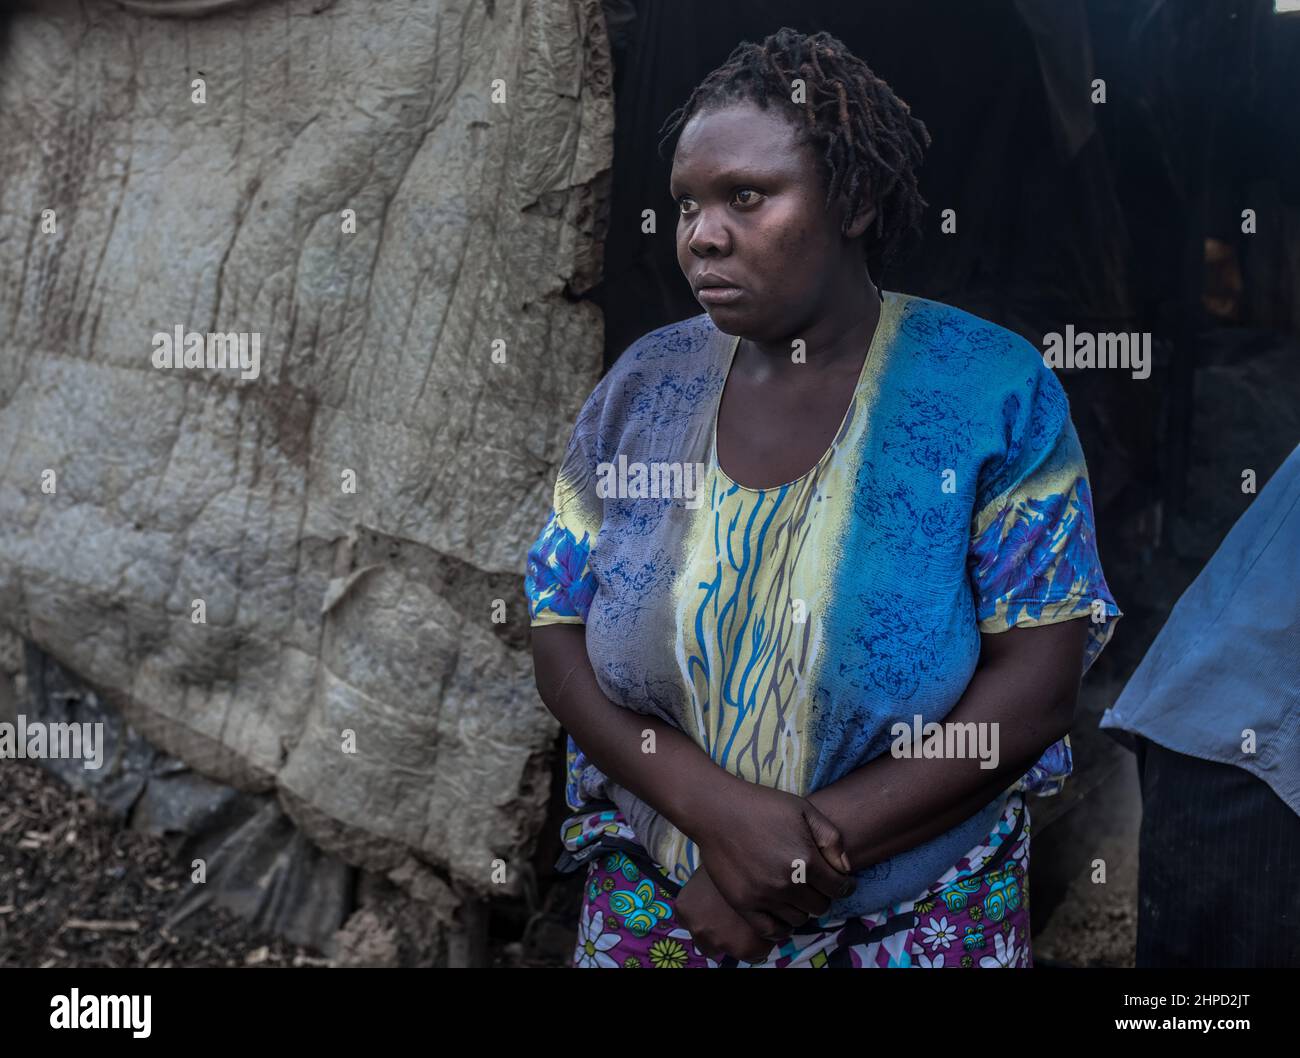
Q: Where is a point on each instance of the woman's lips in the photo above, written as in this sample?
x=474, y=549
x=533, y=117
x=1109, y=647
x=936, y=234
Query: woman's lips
x=719, y=295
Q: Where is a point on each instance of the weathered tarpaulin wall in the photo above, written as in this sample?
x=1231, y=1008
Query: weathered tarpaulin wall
x=348, y=516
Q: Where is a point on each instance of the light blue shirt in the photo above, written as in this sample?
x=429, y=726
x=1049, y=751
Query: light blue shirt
x=1227, y=662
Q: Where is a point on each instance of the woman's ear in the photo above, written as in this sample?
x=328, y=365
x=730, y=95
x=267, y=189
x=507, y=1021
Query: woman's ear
x=858, y=225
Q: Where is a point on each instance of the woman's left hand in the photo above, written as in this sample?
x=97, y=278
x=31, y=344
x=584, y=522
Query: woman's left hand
x=715, y=926
x=776, y=859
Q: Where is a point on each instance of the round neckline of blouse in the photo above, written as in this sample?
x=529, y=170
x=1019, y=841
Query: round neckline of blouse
x=888, y=300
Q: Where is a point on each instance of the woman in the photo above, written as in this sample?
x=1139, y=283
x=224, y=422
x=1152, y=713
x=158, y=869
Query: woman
x=786, y=527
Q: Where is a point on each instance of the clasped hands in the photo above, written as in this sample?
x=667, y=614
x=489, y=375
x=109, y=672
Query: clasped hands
x=749, y=892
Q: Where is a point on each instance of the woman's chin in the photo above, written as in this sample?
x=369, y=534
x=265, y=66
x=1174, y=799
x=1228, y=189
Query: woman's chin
x=731, y=319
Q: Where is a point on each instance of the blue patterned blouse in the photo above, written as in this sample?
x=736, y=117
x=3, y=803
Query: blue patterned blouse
x=788, y=630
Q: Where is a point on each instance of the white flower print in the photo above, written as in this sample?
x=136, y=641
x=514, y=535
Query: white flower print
x=939, y=933
x=593, y=943
x=1004, y=951
x=894, y=946
x=1021, y=850
x=928, y=964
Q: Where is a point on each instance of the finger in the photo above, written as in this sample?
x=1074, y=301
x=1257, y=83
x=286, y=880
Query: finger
x=737, y=938
x=768, y=927
x=826, y=879
x=823, y=874
x=788, y=915
x=804, y=918
x=747, y=946
x=759, y=953
x=706, y=944
x=809, y=900
x=827, y=837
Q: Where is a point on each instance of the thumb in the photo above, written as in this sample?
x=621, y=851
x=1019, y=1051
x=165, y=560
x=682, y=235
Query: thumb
x=827, y=837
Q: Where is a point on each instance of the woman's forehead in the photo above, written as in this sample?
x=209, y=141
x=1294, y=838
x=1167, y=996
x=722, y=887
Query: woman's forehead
x=739, y=137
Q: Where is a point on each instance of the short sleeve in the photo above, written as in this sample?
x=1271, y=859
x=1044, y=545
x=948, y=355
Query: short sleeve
x=559, y=581
x=1033, y=556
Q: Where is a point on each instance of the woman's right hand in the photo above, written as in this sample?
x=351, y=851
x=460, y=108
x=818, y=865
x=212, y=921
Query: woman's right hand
x=774, y=857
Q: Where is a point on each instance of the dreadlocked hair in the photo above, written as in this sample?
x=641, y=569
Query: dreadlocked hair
x=869, y=142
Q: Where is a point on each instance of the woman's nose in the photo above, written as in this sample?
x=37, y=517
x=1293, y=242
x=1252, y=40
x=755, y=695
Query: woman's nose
x=709, y=235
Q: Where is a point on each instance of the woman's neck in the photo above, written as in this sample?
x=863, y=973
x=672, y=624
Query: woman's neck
x=837, y=339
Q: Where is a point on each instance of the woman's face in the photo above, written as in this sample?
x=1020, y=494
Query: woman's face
x=752, y=223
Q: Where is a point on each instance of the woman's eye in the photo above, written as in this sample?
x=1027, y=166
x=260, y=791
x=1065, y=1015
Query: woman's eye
x=753, y=197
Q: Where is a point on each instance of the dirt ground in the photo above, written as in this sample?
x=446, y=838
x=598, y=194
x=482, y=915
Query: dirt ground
x=1095, y=923
x=79, y=889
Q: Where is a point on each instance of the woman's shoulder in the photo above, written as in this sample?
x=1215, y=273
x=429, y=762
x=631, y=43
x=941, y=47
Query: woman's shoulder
x=974, y=380
x=671, y=349
x=977, y=369
x=951, y=339
x=662, y=375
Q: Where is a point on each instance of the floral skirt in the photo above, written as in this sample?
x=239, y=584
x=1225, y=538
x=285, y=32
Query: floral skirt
x=976, y=915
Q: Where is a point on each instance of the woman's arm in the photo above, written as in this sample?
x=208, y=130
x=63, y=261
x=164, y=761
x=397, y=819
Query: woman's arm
x=678, y=779
x=750, y=837
x=1027, y=683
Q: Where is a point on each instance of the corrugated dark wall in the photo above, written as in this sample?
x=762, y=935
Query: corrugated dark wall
x=1093, y=215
